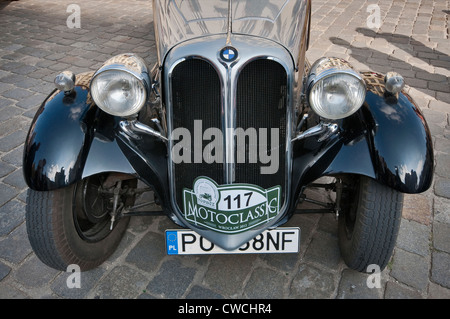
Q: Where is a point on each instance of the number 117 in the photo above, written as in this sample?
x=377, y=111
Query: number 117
x=237, y=199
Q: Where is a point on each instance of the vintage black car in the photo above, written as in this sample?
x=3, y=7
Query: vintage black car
x=227, y=131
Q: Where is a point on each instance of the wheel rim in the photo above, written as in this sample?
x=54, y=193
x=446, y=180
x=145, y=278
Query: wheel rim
x=92, y=208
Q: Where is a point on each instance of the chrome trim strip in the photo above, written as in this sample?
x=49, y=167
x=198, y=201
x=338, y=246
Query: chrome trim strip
x=324, y=129
x=229, y=26
x=230, y=125
x=133, y=128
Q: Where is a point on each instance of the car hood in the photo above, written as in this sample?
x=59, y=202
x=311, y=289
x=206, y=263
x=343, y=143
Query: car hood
x=282, y=21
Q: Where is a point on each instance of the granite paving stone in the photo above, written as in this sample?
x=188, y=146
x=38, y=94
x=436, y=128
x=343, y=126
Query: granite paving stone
x=87, y=280
x=17, y=94
x=198, y=292
x=34, y=274
x=324, y=250
x=414, y=237
x=15, y=247
x=395, y=290
x=312, y=282
x=12, y=214
x=442, y=210
x=13, y=157
x=172, y=281
x=6, y=193
x=442, y=187
x=436, y=291
x=122, y=282
x=5, y=104
x=4, y=270
x=441, y=236
x=442, y=165
x=12, y=125
x=10, y=292
x=440, y=270
x=5, y=169
x=11, y=141
x=16, y=179
x=4, y=87
x=229, y=273
x=271, y=287
x=148, y=253
x=32, y=101
x=354, y=285
x=418, y=208
x=410, y=269
x=12, y=80
x=442, y=144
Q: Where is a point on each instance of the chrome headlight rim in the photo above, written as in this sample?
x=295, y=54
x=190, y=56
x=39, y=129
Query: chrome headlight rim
x=137, y=69
x=340, y=67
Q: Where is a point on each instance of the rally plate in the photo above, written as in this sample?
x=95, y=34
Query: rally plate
x=230, y=209
x=275, y=241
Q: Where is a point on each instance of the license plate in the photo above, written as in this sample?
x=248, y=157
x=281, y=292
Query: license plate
x=279, y=240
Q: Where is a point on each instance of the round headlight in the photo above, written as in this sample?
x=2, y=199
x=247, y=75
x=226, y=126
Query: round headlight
x=120, y=87
x=335, y=90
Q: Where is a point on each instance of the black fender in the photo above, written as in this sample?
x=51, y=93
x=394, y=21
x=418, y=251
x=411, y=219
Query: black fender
x=58, y=140
x=400, y=142
x=387, y=140
x=395, y=145
x=66, y=143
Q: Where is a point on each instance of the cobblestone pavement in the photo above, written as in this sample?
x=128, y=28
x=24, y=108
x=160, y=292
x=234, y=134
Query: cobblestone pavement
x=35, y=44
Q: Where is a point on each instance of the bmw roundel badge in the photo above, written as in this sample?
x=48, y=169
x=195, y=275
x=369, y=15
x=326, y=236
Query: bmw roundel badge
x=228, y=54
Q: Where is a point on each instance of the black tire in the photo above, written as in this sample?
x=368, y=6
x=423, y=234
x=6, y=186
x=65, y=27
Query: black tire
x=61, y=235
x=369, y=222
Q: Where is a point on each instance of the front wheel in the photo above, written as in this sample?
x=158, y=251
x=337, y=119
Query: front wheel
x=369, y=222
x=73, y=225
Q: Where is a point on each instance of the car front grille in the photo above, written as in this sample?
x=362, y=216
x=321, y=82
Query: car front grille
x=260, y=103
